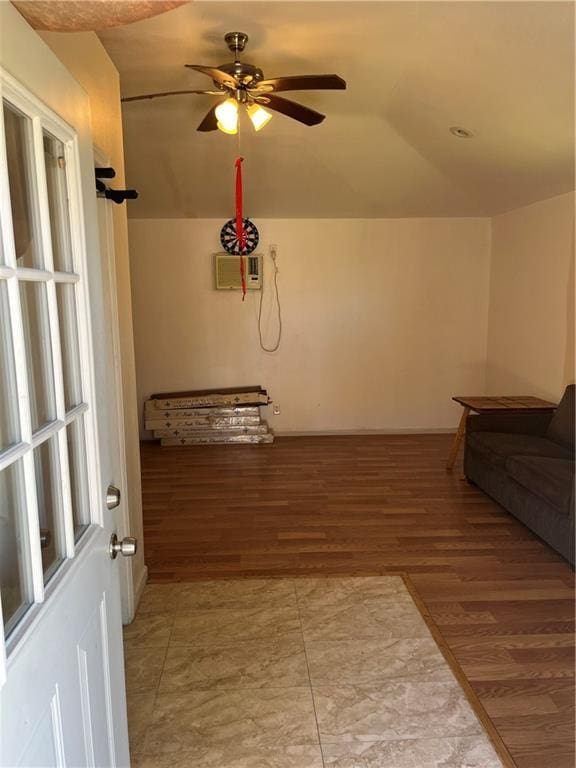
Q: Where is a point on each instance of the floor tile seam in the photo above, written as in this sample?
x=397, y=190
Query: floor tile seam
x=471, y=734
x=293, y=582
x=148, y=614
x=286, y=639
x=451, y=682
x=216, y=744
x=256, y=640
x=209, y=647
x=153, y=691
x=442, y=668
x=233, y=689
x=416, y=739
x=144, y=647
x=376, y=683
x=157, y=689
x=363, y=637
x=146, y=617
x=259, y=607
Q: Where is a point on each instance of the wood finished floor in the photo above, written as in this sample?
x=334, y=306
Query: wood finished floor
x=503, y=600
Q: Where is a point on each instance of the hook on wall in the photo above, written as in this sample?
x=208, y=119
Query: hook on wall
x=116, y=195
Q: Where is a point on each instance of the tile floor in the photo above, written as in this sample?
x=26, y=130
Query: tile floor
x=293, y=673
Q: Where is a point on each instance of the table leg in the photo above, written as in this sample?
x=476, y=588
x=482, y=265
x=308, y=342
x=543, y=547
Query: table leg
x=457, y=439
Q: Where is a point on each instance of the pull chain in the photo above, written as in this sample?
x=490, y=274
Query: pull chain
x=240, y=232
x=238, y=132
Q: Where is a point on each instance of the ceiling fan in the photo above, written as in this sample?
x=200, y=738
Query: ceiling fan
x=238, y=83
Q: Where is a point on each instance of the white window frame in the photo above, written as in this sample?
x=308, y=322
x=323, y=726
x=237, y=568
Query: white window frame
x=42, y=118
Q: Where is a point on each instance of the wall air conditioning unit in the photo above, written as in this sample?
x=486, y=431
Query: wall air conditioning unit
x=227, y=272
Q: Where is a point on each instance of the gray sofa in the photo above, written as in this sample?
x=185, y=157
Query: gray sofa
x=525, y=462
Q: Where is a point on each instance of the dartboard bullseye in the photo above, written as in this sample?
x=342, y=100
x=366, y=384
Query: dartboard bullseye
x=230, y=241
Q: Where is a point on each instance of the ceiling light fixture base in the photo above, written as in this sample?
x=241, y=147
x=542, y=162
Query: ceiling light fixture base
x=236, y=41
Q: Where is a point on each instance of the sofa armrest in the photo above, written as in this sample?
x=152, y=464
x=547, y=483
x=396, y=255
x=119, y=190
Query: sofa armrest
x=533, y=423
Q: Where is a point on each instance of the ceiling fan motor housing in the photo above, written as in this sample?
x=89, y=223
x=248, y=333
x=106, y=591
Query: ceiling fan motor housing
x=245, y=74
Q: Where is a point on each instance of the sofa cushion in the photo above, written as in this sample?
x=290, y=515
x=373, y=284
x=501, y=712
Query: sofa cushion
x=496, y=447
x=561, y=427
x=551, y=479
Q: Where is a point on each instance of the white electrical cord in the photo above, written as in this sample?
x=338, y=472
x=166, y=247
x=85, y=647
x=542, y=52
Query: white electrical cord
x=279, y=338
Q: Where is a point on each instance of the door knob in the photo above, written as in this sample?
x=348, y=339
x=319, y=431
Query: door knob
x=127, y=547
x=112, y=497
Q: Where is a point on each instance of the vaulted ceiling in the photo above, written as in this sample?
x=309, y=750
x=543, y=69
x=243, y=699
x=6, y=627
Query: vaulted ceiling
x=503, y=70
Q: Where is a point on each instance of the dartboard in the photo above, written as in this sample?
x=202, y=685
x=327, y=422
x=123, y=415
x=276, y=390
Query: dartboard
x=230, y=241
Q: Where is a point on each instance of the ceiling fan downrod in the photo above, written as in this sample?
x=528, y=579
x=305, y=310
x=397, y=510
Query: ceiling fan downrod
x=244, y=74
x=236, y=42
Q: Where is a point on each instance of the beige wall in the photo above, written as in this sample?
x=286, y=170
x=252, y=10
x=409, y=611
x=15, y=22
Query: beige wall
x=384, y=320
x=84, y=56
x=531, y=318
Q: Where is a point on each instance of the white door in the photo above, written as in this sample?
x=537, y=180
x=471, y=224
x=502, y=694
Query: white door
x=62, y=698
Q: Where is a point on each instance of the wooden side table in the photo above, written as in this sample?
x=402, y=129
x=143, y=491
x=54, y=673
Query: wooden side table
x=511, y=404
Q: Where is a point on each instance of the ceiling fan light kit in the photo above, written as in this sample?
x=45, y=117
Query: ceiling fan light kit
x=242, y=83
x=227, y=116
x=259, y=117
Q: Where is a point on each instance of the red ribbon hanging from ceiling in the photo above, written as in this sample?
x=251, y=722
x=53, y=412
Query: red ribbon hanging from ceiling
x=240, y=232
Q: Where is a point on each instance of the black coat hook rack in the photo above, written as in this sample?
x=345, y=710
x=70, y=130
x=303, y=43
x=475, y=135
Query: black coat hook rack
x=116, y=195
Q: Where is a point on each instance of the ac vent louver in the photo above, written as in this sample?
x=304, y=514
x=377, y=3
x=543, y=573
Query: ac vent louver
x=227, y=272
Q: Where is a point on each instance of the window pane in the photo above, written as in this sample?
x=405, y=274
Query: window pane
x=18, y=129
x=38, y=352
x=78, y=476
x=58, y=203
x=66, y=295
x=14, y=579
x=48, y=491
x=9, y=422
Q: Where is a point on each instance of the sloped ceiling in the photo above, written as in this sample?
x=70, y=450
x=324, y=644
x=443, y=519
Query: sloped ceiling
x=89, y=15
x=503, y=70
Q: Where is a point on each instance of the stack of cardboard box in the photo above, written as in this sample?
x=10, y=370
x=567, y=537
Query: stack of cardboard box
x=208, y=416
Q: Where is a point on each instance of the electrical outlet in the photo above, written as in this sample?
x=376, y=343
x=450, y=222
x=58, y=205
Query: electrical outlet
x=276, y=410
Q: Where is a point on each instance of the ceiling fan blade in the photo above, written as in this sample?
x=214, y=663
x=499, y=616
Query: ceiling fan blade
x=304, y=83
x=167, y=93
x=210, y=122
x=215, y=74
x=291, y=109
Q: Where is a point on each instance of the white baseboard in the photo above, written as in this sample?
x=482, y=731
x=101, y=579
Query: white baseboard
x=360, y=432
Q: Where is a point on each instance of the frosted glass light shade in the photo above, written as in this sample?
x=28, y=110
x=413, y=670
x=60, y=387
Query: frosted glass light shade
x=227, y=116
x=258, y=116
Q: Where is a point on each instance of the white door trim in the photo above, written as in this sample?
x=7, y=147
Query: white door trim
x=109, y=262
